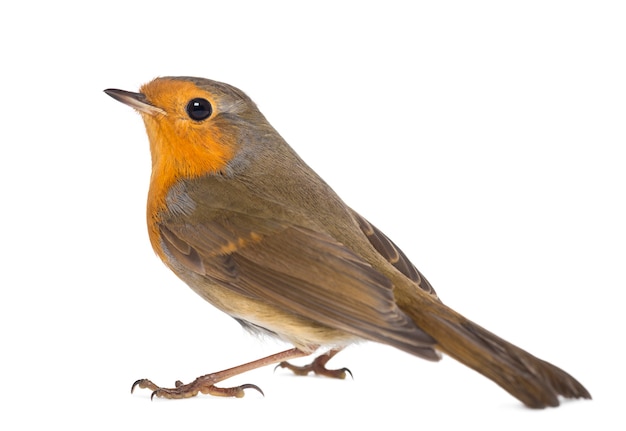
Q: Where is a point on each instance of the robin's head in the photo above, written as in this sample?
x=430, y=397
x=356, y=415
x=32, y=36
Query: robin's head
x=195, y=126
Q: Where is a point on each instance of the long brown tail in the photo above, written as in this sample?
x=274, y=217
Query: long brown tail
x=533, y=381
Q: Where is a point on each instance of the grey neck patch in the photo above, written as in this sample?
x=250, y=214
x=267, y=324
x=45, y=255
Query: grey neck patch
x=178, y=201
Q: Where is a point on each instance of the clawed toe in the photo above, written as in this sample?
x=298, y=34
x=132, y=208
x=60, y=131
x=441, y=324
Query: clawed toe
x=143, y=384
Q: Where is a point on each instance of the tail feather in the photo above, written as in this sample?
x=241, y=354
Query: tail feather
x=534, y=382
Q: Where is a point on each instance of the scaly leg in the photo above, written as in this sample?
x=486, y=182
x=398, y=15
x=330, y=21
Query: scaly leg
x=318, y=366
x=206, y=383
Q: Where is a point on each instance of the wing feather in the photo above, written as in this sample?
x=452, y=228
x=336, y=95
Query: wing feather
x=300, y=271
x=392, y=253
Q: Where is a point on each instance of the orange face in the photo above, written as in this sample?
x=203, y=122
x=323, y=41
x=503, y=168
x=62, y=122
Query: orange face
x=180, y=145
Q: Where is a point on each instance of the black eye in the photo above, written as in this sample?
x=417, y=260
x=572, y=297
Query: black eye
x=199, y=109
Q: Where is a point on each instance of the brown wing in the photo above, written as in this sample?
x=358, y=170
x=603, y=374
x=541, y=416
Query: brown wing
x=393, y=254
x=299, y=271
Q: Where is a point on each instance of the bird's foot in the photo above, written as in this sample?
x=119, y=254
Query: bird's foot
x=318, y=366
x=203, y=384
x=206, y=384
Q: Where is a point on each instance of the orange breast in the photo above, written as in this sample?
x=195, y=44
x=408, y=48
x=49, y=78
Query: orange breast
x=180, y=147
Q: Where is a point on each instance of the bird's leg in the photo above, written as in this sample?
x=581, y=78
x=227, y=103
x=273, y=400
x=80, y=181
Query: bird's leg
x=318, y=366
x=206, y=383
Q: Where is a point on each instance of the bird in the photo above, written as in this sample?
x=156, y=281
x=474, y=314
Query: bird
x=239, y=217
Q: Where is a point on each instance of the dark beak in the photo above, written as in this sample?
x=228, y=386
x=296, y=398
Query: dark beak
x=134, y=100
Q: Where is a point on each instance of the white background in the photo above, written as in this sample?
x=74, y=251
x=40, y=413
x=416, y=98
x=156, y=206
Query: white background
x=485, y=138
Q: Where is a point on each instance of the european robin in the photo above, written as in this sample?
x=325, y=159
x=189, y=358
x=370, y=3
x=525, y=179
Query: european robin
x=240, y=218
